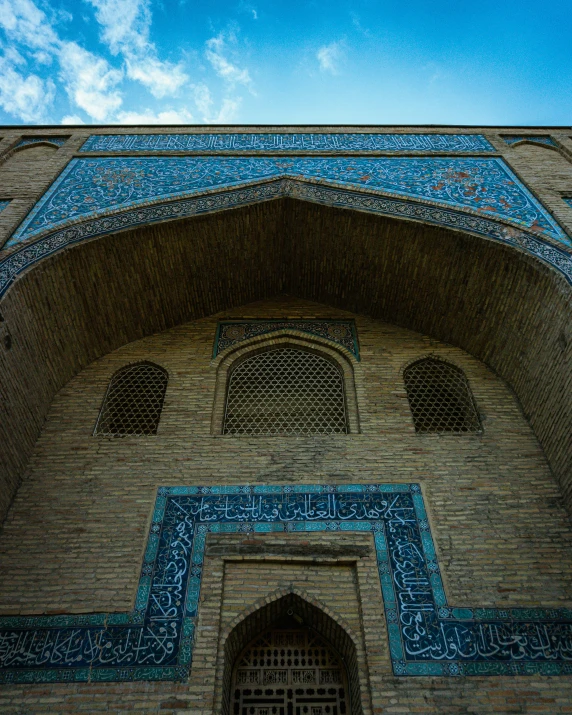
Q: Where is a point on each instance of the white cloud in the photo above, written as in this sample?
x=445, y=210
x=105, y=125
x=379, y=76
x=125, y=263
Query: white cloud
x=170, y=116
x=126, y=26
x=89, y=81
x=26, y=97
x=205, y=102
x=161, y=78
x=216, y=53
x=227, y=112
x=330, y=56
x=72, y=119
x=25, y=23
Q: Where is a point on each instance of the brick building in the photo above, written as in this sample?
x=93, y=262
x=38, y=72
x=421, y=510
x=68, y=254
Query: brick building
x=286, y=420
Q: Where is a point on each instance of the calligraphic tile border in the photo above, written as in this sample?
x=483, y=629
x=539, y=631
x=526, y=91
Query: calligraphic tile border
x=382, y=518
x=318, y=327
x=51, y=242
x=285, y=142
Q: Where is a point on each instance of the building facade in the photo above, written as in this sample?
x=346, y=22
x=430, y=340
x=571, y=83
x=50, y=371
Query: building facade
x=286, y=420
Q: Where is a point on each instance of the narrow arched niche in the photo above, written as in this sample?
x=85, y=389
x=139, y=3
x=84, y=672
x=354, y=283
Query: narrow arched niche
x=292, y=613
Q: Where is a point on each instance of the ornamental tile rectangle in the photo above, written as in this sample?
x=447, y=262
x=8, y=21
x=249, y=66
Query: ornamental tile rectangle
x=92, y=187
x=288, y=142
x=427, y=637
x=59, y=141
x=535, y=138
x=233, y=332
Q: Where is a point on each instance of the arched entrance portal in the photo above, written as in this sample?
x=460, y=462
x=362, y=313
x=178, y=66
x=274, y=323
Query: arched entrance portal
x=289, y=670
x=293, y=646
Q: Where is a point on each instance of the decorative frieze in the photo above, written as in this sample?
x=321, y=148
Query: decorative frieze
x=288, y=142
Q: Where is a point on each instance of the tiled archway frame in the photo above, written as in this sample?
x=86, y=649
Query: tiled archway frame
x=427, y=636
x=347, y=362
x=549, y=250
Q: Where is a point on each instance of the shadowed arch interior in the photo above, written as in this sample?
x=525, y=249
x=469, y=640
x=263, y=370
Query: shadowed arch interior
x=496, y=303
x=292, y=610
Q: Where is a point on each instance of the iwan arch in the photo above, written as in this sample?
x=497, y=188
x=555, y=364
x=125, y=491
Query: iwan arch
x=436, y=567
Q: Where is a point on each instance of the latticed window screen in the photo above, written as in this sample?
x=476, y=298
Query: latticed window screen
x=285, y=391
x=133, y=402
x=289, y=672
x=440, y=398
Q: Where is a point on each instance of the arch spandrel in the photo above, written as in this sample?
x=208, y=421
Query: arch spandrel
x=96, y=196
x=499, y=304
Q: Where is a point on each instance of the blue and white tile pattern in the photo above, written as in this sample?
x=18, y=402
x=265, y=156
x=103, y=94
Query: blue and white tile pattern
x=290, y=142
x=427, y=636
x=92, y=187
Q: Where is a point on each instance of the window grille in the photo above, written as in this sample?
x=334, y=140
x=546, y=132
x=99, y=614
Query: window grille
x=440, y=398
x=133, y=402
x=306, y=679
x=285, y=391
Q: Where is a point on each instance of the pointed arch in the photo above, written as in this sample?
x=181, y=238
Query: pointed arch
x=325, y=354
x=308, y=613
x=133, y=401
x=440, y=397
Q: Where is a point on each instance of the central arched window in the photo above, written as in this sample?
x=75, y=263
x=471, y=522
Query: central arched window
x=285, y=391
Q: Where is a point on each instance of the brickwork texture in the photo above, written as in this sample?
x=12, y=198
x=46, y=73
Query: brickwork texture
x=78, y=507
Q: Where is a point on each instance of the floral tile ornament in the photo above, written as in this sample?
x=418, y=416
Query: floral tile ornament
x=233, y=332
x=92, y=187
x=534, y=138
x=528, y=241
x=59, y=141
x=427, y=636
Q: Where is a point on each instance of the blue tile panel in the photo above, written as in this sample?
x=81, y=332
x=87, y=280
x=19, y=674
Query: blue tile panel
x=90, y=187
x=3, y=204
x=427, y=636
x=536, y=138
x=529, y=242
x=233, y=332
x=395, y=143
x=60, y=141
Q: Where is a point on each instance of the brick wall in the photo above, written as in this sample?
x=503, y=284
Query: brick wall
x=74, y=537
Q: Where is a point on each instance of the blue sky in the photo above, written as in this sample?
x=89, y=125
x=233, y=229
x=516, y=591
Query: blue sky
x=278, y=62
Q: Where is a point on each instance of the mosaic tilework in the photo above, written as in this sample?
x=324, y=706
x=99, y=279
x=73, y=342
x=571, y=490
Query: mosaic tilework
x=91, y=187
x=427, y=636
x=19, y=261
x=568, y=200
x=395, y=143
x=3, y=205
x=60, y=141
x=536, y=138
x=233, y=332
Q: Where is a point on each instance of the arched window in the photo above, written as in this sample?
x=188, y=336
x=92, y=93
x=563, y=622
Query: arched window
x=133, y=402
x=440, y=397
x=285, y=391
